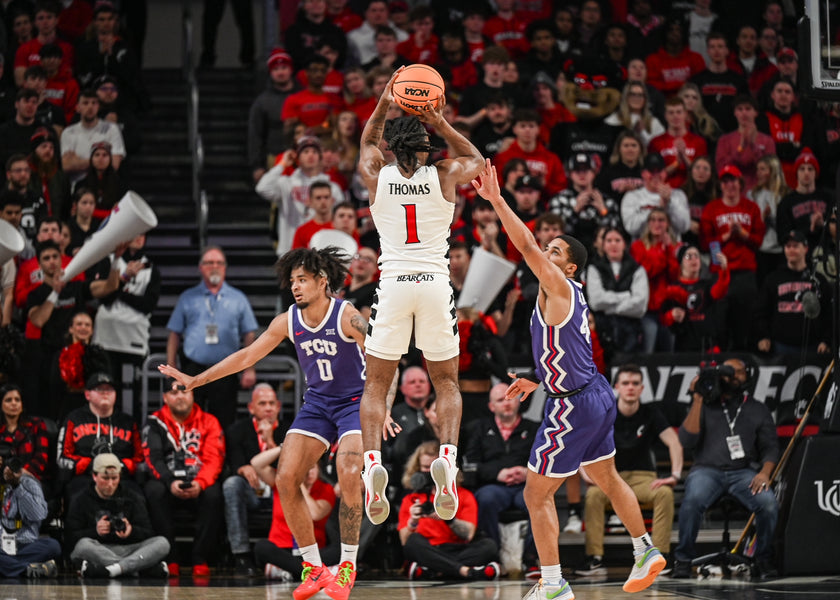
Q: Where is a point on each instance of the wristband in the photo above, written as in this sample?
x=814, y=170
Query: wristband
x=529, y=375
x=53, y=297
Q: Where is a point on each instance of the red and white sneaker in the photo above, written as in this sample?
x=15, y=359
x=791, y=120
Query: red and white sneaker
x=444, y=474
x=342, y=585
x=377, y=507
x=314, y=580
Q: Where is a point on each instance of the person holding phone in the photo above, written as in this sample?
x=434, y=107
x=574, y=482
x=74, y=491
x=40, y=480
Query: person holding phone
x=734, y=222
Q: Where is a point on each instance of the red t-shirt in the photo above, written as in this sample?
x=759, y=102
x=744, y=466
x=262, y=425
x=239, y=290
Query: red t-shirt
x=63, y=92
x=717, y=219
x=426, y=54
x=509, y=33
x=541, y=163
x=435, y=530
x=281, y=536
x=668, y=73
x=29, y=277
x=309, y=108
x=333, y=84
x=695, y=147
x=305, y=232
x=363, y=107
x=28, y=54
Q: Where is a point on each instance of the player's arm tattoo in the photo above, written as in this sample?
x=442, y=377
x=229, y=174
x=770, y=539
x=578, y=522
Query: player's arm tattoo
x=359, y=323
x=462, y=529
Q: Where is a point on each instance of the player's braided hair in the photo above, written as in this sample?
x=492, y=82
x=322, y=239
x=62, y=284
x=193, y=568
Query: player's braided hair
x=406, y=136
x=330, y=262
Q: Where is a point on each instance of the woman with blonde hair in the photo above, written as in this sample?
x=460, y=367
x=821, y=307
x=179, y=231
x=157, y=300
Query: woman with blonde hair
x=699, y=121
x=633, y=113
x=769, y=189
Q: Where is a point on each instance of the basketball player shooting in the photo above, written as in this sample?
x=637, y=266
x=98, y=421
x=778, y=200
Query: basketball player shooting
x=328, y=335
x=412, y=204
x=577, y=426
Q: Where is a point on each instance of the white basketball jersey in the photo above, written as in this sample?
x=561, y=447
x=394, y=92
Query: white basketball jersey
x=413, y=220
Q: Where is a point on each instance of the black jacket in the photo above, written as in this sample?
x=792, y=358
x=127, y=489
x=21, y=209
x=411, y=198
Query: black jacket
x=87, y=507
x=243, y=444
x=490, y=452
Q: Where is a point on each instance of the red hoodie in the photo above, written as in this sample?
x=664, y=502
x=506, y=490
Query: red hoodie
x=717, y=219
x=201, y=438
x=660, y=264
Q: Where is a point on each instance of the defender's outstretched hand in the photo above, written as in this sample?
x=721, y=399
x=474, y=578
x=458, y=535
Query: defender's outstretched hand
x=521, y=388
x=487, y=183
x=181, y=378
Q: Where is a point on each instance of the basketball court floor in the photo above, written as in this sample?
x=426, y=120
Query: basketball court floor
x=607, y=588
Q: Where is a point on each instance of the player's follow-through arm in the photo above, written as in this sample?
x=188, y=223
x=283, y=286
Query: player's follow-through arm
x=246, y=357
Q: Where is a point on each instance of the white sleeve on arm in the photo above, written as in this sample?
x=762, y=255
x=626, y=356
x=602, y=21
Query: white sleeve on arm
x=678, y=211
x=600, y=299
x=632, y=218
x=269, y=185
x=115, y=138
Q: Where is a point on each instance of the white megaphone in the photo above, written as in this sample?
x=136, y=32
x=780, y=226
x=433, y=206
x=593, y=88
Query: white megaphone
x=129, y=218
x=485, y=278
x=334, y=237
x=11, y=242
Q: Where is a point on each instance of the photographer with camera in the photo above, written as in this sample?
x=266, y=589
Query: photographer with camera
x=185, y=450
x=24, y=507
x=96, y=429
x=735, y=448
x=435, y=546
x=109, y=530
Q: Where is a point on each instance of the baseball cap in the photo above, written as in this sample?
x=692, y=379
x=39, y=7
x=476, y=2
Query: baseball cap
x=581, y=162
x=806, y=157
x=106, y=460
x=730, y=171
x=103, y=6
x=654, y=163
x=308, y=141
x=787, y=53
x=97, y=379
x=279, y=56
x=170, y=383
x=528, y=182
x=105, y=79
x=41, y=135
x=796, y=236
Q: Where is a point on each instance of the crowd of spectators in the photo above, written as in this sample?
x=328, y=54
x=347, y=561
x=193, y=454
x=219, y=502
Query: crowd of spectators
x=702, y=199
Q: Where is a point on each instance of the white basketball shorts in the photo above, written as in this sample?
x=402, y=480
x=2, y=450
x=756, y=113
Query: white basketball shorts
x=422, y=302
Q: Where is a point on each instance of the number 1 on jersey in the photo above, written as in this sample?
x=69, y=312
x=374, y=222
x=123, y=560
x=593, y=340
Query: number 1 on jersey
x=411, y=224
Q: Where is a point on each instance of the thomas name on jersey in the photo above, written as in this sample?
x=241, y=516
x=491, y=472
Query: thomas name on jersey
x=408, y=189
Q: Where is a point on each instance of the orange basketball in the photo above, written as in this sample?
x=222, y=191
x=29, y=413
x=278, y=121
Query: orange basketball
x=415, y=85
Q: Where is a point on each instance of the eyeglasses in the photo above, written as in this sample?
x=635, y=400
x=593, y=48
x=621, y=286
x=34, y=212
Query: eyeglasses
x=213, y=262
x=108, y=88
x=363, y=258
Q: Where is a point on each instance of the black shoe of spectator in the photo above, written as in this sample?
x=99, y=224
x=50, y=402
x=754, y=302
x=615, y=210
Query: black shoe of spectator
x=681, y=570
x=592, y=565
x=92, y=570
x=159, y=571
x=488, y=572
x=244, y=565
x=764, y=569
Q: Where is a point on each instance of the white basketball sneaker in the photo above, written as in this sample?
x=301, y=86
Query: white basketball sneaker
x=444, y=474
x=377, y=507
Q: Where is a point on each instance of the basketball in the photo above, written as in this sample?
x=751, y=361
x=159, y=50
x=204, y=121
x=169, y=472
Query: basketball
x=415, y=85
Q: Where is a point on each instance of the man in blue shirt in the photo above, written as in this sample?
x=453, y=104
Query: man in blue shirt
x=211, y=321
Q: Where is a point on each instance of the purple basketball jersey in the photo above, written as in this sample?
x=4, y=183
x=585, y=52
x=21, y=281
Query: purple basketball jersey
x=332, y=363
x=563, y=353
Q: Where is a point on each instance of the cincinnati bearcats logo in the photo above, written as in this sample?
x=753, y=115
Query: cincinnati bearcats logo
x=829, y=500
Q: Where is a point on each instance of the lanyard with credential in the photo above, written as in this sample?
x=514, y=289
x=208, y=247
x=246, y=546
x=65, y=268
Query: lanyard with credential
x=735, y=418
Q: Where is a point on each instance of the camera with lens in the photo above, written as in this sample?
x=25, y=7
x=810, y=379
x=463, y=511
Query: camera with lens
x=179, y=470
x=101, y=445
x=711, y=384
x=9, y=458
x=421, y=483
x=117, y=522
